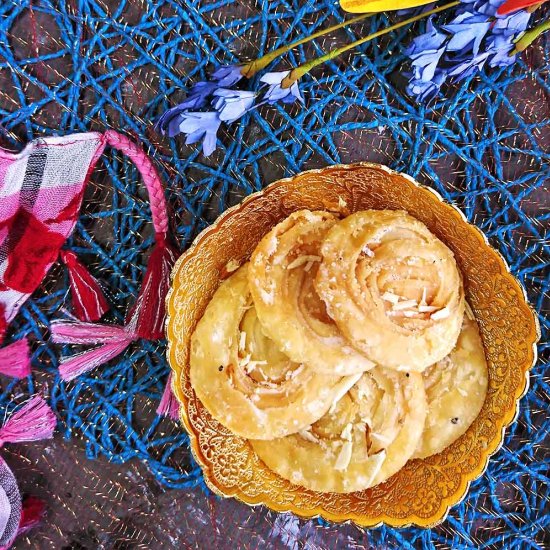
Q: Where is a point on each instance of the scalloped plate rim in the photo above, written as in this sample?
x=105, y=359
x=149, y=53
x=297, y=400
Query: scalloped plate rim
x=493, y=447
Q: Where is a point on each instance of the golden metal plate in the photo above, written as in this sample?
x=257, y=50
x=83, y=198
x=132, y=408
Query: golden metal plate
x=422, y=492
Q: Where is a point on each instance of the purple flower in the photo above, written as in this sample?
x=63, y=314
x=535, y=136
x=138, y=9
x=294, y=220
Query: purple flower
x=169, y=122
x=228, y=75
x=201, y=125
x=232, y=104
x=425, y=52
x=475, y=36
x=198, y=94
x=468, y=65
x=466, y=32
x=425, y=90
x=226, y=105
x=504, y=34
x=275, y=92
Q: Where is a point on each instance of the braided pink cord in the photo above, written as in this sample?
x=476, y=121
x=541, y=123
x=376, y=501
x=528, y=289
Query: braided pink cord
x=149, y=174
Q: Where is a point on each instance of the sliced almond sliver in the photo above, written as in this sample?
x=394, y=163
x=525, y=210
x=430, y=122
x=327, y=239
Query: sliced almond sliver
x=423, y=300
x=382, y=438
x=390, y=297
x=243, y=361
x=308, y=436
x=441, y=314
x=251, y=365
x=409, y=313
x=378, y=459
x=406, y=304
x=242, y=341
x=344, y=457
x=427, y=309
x=367, y=251
x=346, y=432
x=232, y=265
x=350, y=382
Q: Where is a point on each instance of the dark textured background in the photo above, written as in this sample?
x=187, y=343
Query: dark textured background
x=81, y=64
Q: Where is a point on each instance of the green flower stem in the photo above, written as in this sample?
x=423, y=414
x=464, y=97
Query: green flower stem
x=530, y=36
x=250, y=69
x=299, y=72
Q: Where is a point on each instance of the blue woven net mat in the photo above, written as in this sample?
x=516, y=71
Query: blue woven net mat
x=69, y=66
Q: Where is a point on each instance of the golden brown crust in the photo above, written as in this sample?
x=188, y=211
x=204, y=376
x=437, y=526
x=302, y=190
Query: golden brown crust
x=456, y=388
x=241, y=377
x=392, y=287
x=281, y=275
x=369, y=435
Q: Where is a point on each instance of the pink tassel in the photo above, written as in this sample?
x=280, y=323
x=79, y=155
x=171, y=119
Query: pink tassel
x=113, y=339
x=169, y=405
x=89, y=303
x=33, y=421
x=15, y=359
x=149, y=311
x=77, y=332
x=76, y=365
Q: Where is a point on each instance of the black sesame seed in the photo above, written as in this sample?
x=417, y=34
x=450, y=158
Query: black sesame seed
x=220, y=368
x=407, y=375
x=454, y=420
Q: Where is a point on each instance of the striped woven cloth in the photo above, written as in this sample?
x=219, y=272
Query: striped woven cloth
x=41, y=192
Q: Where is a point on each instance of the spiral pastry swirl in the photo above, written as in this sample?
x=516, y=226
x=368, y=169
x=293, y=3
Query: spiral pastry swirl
x=392, y=287
x=366, y=437
x=282, y=273
x=243, y=379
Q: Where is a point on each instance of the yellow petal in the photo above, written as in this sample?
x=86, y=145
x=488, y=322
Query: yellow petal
x=364, y=6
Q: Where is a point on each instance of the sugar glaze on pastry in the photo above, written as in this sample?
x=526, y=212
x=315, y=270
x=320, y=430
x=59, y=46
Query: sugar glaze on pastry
x=366, y=437
x=281, y=275
x=243, y=379
x=392, y=287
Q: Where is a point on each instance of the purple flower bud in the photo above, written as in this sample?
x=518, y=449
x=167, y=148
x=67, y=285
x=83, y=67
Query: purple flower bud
x=275, y=92
x=201, y=125
x=199, y=93
x=425, y=90
x=468, y=66
x=467, y=35
x=169, y=122
x=232, y=104
x=227, y=75
x=425, y=52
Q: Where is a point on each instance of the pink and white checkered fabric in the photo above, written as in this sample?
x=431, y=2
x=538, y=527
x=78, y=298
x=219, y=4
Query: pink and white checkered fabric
x=41, y=191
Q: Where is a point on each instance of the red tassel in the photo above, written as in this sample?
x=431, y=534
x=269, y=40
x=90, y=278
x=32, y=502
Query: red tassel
x=147, y=316
x=33, y=421
x=3, y=322
x=34, y=511
x=15, y=359
x=169, y=405
x=89, y=303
